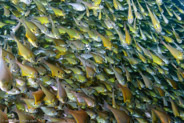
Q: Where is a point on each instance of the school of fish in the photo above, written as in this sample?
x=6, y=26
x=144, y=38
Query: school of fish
x=91, y=61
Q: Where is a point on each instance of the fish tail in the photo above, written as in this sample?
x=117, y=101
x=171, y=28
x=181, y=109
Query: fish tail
x=125, y=25
x=123, y=66
x=130, y=3
x=140, y=72
x=1, y=52
x=106, y=105
x=147, y=6
x=111, y=66
x=12, y=34
x=18, y=63
x=163, y=43
x=50, y=18
x=145, y=2
x=49, y=5
x=66, y=110
x=79, y=1
x=14, y=17
x=122, y=86
x=173, y=65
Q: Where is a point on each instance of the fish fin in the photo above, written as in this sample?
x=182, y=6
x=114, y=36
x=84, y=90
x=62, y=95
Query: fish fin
x=6, y=110
x=46, y=117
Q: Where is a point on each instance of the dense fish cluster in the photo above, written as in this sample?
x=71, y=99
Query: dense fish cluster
x=91, y=61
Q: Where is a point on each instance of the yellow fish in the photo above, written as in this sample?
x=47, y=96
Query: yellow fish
x=141, y=9
x=130, y=15
x=43, y=19
x=97, y=57
x=27, y=70
x=5, y=76
x=24, y=51
x=97, y=2
x=164, y=118
x=176, y=53
x=49, y=98
x=146, y=80
x=58, y=12
x=30, y=105
x=38, y=96
x=143, y=59
x=31, y=37
x=159, y=2
x=165, y=19
x=174, y=108
x=121, y=36
x=24, y=117
x=137, y=14
x=161, y=92
x=7, y=54
x=4, y=117
x=127, y=95
x=106, y=42
x=127, y=73
x=142, y=34
x=40, y=7
x=155, y=22
x=121, y=116
x=90, y=72
x=172, y=83
x=61, y=93
x=179, y=40
x=31, y=26
x=168, y=11
x=80, y=116
x=55, y=31
x=179, y=9
x=177, y=16
x=56, y=71
x=156, y=59
x=117, y=5
x=127, y=36
x=168, y=39
x=118, y=76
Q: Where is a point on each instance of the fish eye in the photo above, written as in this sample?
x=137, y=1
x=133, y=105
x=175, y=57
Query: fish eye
x=11, y=87
x=157, y=25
